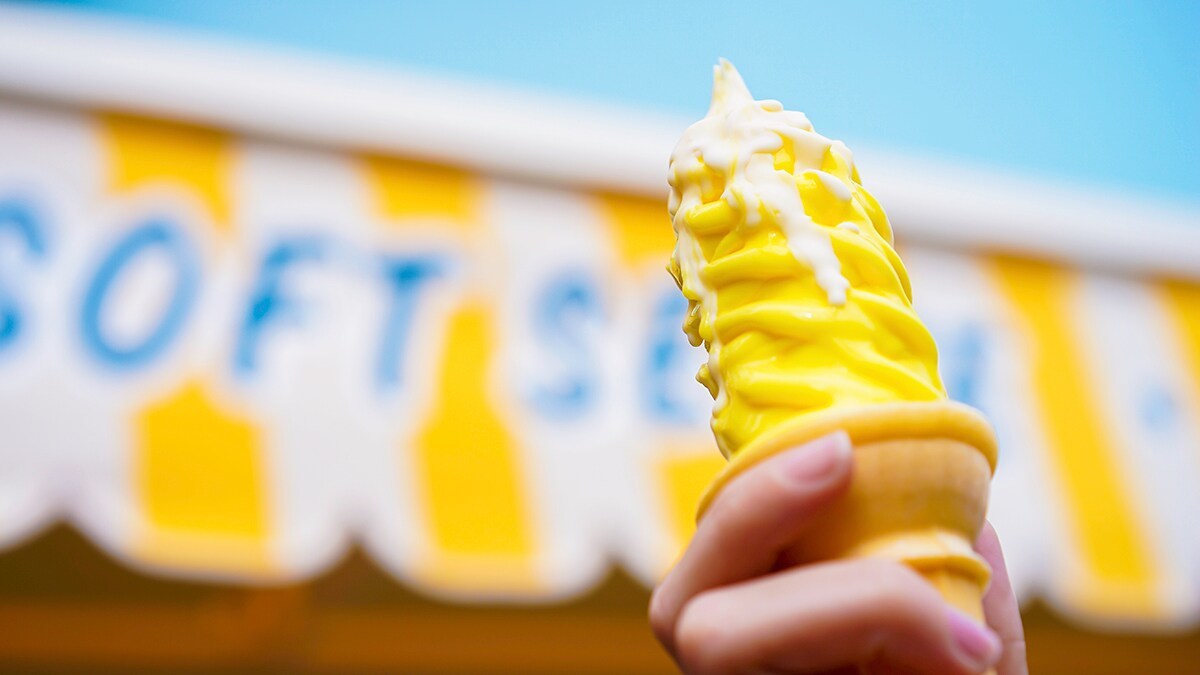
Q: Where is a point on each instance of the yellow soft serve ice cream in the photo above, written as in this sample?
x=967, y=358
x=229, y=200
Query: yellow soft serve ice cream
x=805, y=309
x=788, y=267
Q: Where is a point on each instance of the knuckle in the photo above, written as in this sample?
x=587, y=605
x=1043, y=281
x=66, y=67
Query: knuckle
x=700, y=637
x=756, y=502
x=718, y=521
x=1014, y=651
x=660, y=616
x=729, y=511
x=902, y=595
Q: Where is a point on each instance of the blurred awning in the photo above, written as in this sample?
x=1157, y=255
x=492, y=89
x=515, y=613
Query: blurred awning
x=253, y=308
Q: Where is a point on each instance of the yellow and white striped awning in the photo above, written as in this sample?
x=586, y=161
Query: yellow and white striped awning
x=229, y=349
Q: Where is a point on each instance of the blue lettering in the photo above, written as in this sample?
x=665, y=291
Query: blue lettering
x=154, y=234
x=668, y=346
x=1158, y=411
x=268, y=302
x=18, y=216
x=963, y=363
x=405, y=277
x=560, y=322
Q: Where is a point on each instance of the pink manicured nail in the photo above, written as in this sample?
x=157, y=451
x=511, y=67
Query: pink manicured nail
x=978, y=646
x=817, y=459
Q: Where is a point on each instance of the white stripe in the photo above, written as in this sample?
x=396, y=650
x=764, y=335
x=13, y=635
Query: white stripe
x=63, y=445
x=305, y=423
x=540, y=235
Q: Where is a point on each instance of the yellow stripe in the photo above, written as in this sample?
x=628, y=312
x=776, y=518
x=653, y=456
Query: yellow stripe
x=467, y=462
x=474, y=496
x=198, y=473
x=1183, y=301
x=684, y=474
x=410, y=190
x=1121, y=578
x=199, y=478
x=640, y=229
x=144, y=152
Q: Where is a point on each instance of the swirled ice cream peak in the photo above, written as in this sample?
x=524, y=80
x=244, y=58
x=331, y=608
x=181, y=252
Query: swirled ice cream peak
x=734, y=149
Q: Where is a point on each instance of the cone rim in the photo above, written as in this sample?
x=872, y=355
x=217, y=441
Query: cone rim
x=932, y=420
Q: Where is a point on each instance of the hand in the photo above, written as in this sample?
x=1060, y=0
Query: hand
x=731, y=606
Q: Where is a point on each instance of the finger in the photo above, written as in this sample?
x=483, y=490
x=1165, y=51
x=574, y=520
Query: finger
x=1000, y=606
x=866, y=612
x=755, y=517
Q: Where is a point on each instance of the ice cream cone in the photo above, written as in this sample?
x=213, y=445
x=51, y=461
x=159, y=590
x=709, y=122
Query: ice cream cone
x=918, y=494
x=796, y=291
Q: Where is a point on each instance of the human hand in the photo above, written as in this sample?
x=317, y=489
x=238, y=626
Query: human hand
x=731, y=605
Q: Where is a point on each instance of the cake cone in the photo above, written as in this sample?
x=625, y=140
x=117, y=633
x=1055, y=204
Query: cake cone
x=918, y=493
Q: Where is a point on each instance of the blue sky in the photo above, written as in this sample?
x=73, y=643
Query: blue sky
x=1099, y=93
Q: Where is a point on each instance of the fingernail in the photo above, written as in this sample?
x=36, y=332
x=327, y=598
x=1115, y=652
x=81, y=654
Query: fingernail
x=817, y=459
x=978, y=646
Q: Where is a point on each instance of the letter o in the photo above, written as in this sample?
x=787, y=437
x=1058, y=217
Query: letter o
x=153, y=234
